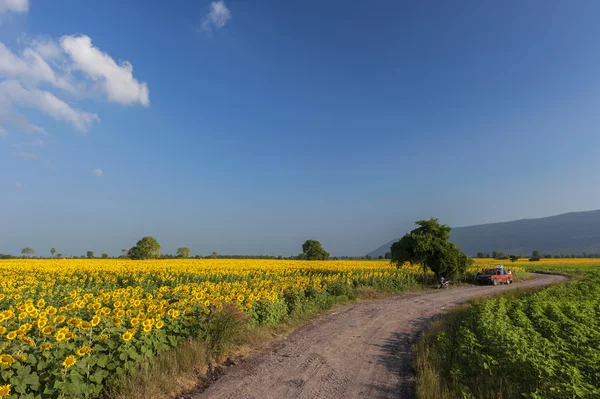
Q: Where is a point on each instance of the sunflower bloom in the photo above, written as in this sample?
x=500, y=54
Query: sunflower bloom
x=69, y=361
x=4, y=390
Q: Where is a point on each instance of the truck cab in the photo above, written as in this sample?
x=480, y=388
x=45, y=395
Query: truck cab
x=494, y=276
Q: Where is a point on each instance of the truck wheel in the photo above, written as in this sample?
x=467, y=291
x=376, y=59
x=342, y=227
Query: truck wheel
x=508, y=281
x=495, y=281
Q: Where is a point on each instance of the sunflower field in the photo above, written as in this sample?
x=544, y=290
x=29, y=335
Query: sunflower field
x=66, y=326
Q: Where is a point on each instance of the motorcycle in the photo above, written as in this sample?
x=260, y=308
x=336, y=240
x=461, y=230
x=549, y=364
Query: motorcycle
x=443, y=284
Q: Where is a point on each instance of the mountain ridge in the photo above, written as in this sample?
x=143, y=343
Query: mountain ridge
x=566, y=233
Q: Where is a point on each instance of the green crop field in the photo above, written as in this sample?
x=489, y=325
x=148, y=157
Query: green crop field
x=544, y=344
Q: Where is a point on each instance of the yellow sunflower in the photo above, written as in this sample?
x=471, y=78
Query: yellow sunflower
x=69, y=361
x=4, y=390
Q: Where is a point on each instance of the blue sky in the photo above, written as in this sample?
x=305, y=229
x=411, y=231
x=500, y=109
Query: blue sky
x=250, y=126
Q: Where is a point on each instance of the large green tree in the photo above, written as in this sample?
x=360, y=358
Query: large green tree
x=429, y=245
x=146, y=248
x=90, y=254
x=27, y=251
x=313, y=250
x=52, y=251
x=183, y=252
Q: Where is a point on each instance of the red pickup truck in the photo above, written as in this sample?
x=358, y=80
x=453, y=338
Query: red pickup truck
x=494, y=276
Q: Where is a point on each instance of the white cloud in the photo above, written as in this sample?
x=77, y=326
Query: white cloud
x=217, y=17
x=52, y=76
x=14, y=5
x=116, y=80
x=47, y=103
x=97, y=172
x=30, y=66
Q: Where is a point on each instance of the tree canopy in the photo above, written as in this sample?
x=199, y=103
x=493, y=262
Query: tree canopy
x=90, y=254
x=27, y=251
x=429, y=244
x=313, y=250
x=146, y=248
x=183, y=252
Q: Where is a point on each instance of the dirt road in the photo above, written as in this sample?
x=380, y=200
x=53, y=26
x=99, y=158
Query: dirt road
x=357, y=351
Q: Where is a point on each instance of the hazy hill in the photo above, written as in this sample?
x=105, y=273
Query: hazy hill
x=569, y=233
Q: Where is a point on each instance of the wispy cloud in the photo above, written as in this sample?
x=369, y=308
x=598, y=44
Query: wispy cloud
x=34, y=143
x=52, y=76
x=14, y=5
x=47, y=103
x=19, y=185
x=28, y=156
x=217, y=17
x=97, y=172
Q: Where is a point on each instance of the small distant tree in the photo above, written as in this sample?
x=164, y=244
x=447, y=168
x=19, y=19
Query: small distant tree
x=183, y=252
x=104, y=256
x=514, y=258
x=27, y=251
x=388, y=255
x=52, y=251
x=214, y=255
x=380, y=257
x=536, y=254
x=429, y=245
x=146, y=248
x=494, y=254
x=480, y=254
x=89, y=254
x=368, y=257
x=313, y=250
x=59, y=256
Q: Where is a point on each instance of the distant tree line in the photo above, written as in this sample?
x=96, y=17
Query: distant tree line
x=535, y=256
x=149, y=248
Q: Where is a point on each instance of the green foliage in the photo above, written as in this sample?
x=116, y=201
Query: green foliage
x=429, y=245
x=27, y=251
x=542, y=345
x=313, y=250
x=89, y=254
x=52, y=251
x=146, y=248
x=183, y=252
x=104, y=256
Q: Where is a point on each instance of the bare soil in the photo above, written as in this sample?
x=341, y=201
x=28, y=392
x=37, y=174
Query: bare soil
x=363, y=350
